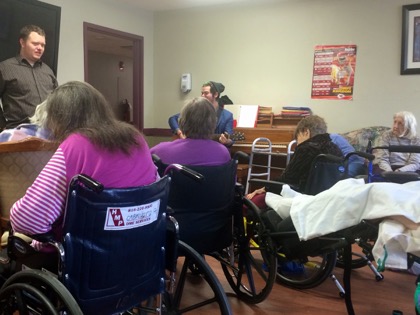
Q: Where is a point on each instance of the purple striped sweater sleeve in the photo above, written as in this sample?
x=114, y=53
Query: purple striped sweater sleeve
x=44, y=200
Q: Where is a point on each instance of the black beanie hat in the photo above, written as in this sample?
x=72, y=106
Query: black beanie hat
x=218, y=86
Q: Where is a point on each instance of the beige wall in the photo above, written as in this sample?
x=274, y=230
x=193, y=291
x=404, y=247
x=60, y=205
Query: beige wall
x=115, y=16
x=264, y=55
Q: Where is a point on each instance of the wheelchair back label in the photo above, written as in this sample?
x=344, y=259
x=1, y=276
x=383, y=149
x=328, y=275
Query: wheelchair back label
x=131, y=217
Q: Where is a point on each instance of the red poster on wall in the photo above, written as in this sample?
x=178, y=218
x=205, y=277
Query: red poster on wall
x=333, y=74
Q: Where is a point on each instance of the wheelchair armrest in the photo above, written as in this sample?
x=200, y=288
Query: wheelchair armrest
x=400, y=177
x=368, y=156
x=44, y=238
x=271, y=185
x=400, y=148
x=47, y=237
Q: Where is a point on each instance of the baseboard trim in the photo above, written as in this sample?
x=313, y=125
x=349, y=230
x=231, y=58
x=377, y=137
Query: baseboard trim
x=157, y=132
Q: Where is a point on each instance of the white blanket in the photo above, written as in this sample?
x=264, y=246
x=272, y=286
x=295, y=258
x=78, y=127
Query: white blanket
x=349, y=202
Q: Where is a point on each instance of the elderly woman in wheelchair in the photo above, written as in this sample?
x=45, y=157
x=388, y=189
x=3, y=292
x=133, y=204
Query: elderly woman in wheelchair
x=402, y=134
x=100, y=234
x=210, y=212
x=92, y=142
x=386, y=212
x=312, y=139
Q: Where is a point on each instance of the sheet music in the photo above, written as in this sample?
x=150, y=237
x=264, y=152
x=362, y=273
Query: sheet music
x=248, y=116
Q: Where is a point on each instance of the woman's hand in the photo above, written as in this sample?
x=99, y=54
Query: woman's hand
x=255, y=192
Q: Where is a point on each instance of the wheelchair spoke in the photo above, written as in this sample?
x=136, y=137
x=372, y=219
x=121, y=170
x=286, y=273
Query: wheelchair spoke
x=29, y=299
x=44, y=291
x=258, y=265
x=194, y=268
x=253, y=271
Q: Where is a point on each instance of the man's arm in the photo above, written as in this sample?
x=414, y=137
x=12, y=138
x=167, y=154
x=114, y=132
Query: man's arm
x=229, y=123
x=173, y=124
x=227, y=129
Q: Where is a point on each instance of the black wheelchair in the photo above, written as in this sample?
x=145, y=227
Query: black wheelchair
x=306, y=264
x=119, y=253
x=219, y=222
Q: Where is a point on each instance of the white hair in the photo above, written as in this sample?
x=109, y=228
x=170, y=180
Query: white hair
x=410, y=124
x=40, y=115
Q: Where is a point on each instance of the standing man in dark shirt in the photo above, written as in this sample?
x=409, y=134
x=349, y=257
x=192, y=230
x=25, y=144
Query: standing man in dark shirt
x=25, y=81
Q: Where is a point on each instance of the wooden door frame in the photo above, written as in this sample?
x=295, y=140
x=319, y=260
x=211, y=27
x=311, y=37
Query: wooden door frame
x=138, y=66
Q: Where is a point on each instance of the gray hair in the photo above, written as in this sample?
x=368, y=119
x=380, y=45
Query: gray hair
x=40, y=116
x=198, y=119
x=410, y=124
x=77, y=107
x=314, y=123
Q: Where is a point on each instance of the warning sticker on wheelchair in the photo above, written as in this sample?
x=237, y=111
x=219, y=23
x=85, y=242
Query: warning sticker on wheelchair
x=125, y=218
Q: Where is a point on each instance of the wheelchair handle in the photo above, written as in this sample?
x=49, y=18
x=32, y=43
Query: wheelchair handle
x=185, y=171
x=329, y=157
x=240, y=155
x=88, y=181
x=156, y=159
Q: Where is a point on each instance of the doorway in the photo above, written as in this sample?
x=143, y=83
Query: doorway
x=113, y=62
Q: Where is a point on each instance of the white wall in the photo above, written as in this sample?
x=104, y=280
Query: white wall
x=264, y=55
x=103, y=13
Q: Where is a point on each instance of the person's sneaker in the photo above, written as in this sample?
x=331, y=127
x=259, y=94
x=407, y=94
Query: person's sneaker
x=291, y=267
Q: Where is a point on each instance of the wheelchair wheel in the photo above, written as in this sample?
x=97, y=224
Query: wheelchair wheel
x=36, y=292
x=305, y=273
x=202, y=276
x=250, y=263
x=356, y=263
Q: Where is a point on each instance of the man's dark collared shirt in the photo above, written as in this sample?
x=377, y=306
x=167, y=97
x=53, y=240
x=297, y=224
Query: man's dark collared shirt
x=23, y=87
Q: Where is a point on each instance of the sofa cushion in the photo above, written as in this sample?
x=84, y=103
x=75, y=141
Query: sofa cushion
x=359, y=138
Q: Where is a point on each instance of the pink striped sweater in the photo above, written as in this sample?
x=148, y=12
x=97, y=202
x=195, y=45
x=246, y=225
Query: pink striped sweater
x=45, y=200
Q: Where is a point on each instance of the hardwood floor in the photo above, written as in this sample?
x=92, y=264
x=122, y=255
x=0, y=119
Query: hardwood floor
x=369, y=297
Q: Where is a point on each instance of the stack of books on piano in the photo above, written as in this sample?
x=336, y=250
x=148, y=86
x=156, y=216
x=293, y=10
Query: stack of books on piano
x=292, y=111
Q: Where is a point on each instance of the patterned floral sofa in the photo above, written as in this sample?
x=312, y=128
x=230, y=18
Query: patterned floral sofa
x=359, y=138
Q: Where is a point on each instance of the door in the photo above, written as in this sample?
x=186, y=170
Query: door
x=114, y=65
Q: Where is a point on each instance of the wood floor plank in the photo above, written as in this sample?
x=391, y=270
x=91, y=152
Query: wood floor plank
x=369, y=297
